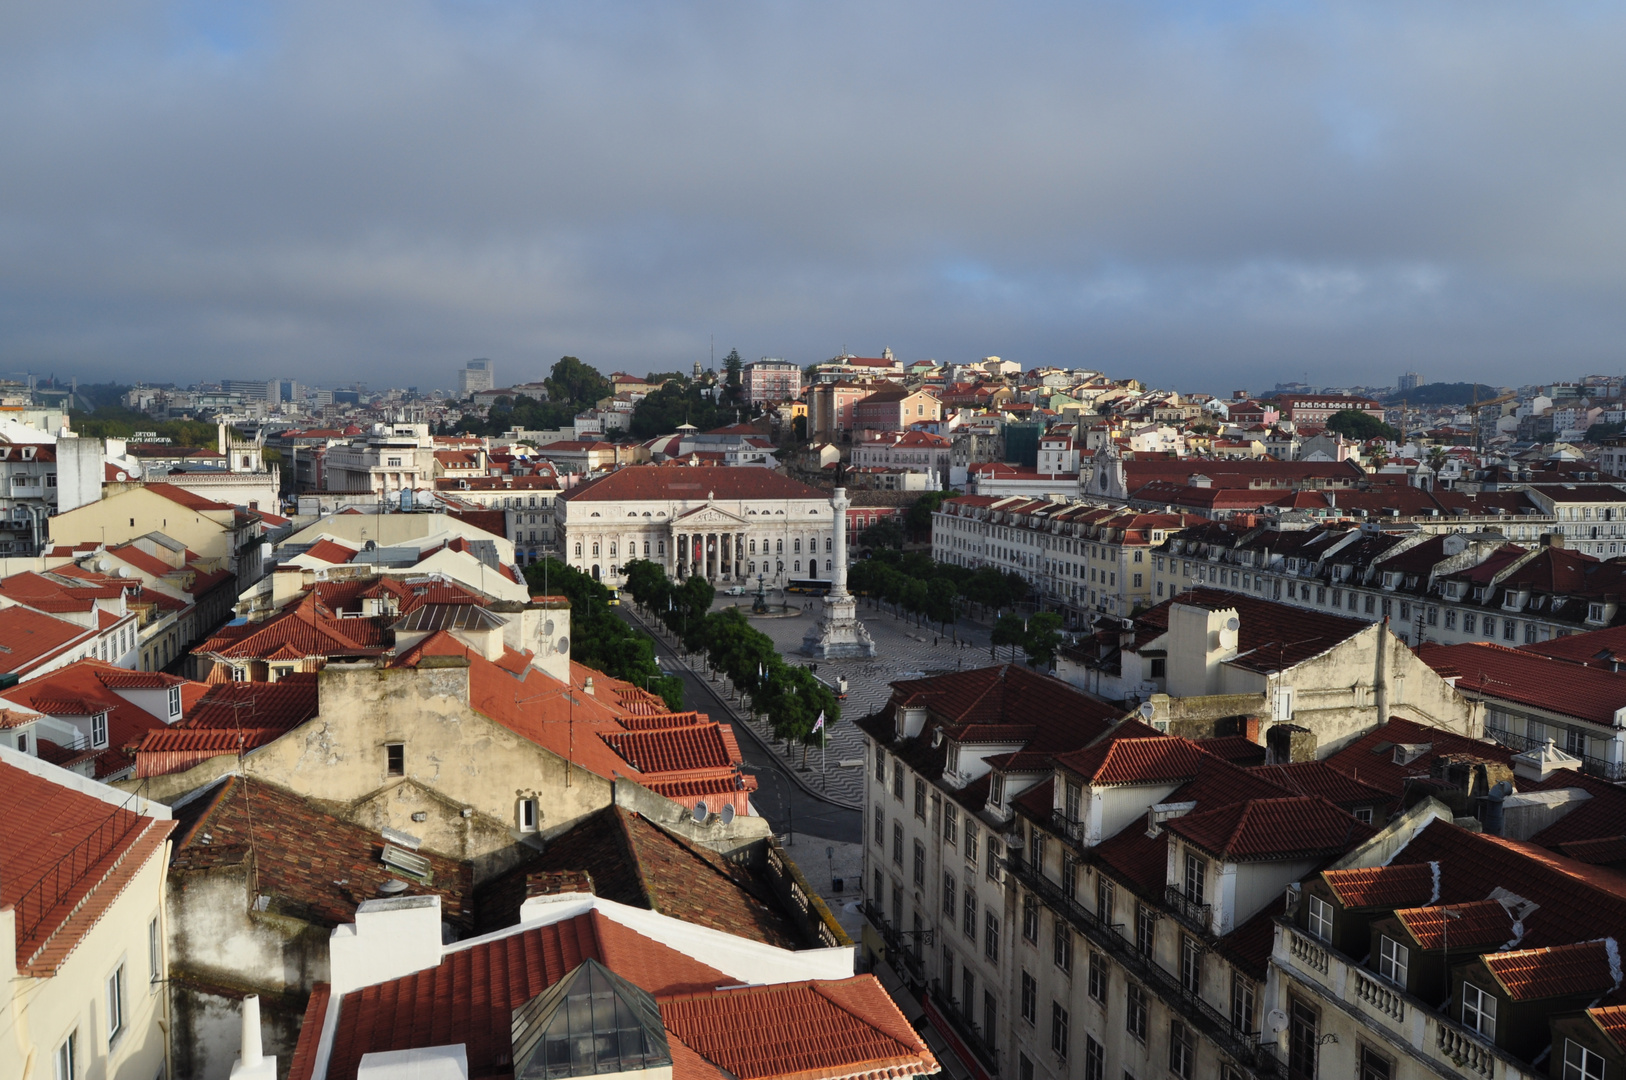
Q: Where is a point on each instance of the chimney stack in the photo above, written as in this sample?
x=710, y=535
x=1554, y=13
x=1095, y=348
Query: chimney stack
x=251, y=1063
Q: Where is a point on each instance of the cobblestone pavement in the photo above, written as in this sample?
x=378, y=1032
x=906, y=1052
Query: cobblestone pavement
x=902, y=650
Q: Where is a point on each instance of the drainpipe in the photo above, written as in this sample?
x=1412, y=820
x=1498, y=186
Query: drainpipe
x=1380, y=679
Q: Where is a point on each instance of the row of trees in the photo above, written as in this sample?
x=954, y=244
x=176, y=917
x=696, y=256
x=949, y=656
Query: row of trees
x=597, y=637
x=572, y=387
x=788, y=694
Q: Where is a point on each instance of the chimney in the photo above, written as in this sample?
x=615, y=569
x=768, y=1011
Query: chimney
x=1286, y=744
x=251, y=1063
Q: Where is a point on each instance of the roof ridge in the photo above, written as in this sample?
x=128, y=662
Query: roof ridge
x=118, y=861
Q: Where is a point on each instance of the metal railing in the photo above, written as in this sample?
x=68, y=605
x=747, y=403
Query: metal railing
x=1243, y=1047
x=897, y=948
x=967, y=1028
x=1593, y=766
x=1195, y=914
x=1071, y=830
x=42, y=897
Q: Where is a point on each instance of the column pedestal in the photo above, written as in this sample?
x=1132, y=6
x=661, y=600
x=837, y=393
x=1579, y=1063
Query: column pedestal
x=839, y=635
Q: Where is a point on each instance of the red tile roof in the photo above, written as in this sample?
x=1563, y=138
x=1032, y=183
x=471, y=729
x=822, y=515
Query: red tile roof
x=1481, y=924
x=679, y=483
x=1598, y=648
x=330, y=551
x=1157, y=760
x=673, y=749
x=1320, y=778
x=1008, y=703
x=1272, y=636
x=1403, y=886
x=1488, y=670
x=308, y=861
x=30, y=638
x=78, y=690
x=1371, y=758
x=50, y=826
x=1266, y=829
x=1590, y=967
x=303, y=1063
x=821, y=1031
x=489, y=980
x=186, y=498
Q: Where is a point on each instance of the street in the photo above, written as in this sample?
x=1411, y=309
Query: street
x=792, y=812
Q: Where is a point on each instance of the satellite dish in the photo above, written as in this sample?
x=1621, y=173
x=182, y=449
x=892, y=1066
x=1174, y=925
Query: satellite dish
x=547, y=628
x=726, y=814
x=701, y=812
x=102, y=564
x=1276, y=1021
x=1233, y=624
x=1147, y=711
x=564, y=645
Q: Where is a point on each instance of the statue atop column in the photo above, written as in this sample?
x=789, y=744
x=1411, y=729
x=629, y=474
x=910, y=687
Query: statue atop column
x=838, y=634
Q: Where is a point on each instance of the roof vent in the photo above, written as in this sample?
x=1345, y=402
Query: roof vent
x=394, y=887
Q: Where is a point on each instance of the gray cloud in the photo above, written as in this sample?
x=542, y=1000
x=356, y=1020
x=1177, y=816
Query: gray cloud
x=1201, y=194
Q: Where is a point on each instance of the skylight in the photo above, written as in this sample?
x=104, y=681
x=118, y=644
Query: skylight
x=591, y=1022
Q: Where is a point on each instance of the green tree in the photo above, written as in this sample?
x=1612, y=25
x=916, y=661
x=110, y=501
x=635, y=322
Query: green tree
x=571, y=381
x=885, y=533
x=600, y=639
x=1437, y=457
x=1043, y=638
x=1360, y=426
x=732, y=366
x=662, y=412
x=1009, y=629
x=798, y=427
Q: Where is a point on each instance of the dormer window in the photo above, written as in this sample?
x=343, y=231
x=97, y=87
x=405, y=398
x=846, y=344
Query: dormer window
x=1320, y=918
x=174, y=701
x=98, y=731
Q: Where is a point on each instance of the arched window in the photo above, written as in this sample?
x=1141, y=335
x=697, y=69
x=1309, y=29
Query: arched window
x=612, y=549
x=827, y=565
x=827, y=543
x=780, y=547
x=578, y=549
x=595, y=551
x=798, y=566
x=797, y=544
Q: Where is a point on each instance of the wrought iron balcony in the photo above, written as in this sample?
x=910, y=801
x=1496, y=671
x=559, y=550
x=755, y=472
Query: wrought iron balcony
x=1066, y=827
x=968, y=1029
x=901, y=945
x=1196, y=916
x=1242, y=1047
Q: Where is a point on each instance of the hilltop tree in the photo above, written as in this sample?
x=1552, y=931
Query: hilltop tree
x=1360, y=426
x=574, y=382
x=732, y=365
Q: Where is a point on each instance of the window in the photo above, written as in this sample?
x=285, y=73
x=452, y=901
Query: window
x=1095, y=1060
x=920, y=798
x=880, y=764
x=1392, y=957
x=920, y=865
x=880, y=828
x=1145, y=929
x=1191, y=964
x=880, y=887
x=970, y=843
x=175, y=701
x=968, y=988
x=1058, y=1030
x=115, y=1005
x=949, y=905
x=1371, y=1065
x=1024, y=1067
x=1320, y=918
x=66, y=1059
x=897, y=779
x=1064, y=946
x=990, y=1018
x=1196, y=875
x=527, y=815
x=1181, y=1051
x=155, y=954
x=98, y=730
x=1098, y=977
x=1468, y=620
x=1030, y=998
x=1069, y=876
x=1581, y=1063
x=991, y=862
x=1135, y=1015
x=951, y=822
x=1073, y=800
x=1241, y=1002
x=897, y=844
x=1030, y=918
x=1104, y=892
x=968, y=915
x=948, y=969
x=1303, y=1040
x=395, y=759
x=1478, y=1010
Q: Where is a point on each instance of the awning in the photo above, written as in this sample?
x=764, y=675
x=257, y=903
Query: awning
x=907, y=1003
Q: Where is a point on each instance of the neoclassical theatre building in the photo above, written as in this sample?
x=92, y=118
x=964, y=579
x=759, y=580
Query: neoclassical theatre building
x=725, y=524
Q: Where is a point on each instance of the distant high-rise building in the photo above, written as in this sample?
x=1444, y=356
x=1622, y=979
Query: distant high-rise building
x=248, y=389
x=476, y=375
x=1410, y=381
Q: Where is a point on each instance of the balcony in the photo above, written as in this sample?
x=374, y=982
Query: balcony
x=1375, y=1001
x=1592, y=766
x=1196, y=916
x=968, y=1029
x=1072, y=830
x=1242, y=1047
x=898, y=949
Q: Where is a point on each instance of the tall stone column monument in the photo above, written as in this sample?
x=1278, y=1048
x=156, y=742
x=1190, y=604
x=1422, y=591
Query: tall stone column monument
x=839, y=635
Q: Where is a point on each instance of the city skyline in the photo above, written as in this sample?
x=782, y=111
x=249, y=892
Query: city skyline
x=1332, y=194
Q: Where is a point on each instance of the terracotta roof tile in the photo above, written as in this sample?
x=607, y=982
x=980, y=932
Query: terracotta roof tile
x=1480, y=924
x=1320, y=778
x=186, y=498
x=1490, y=670
x=672, y=749
x=1603, y=851
x=1159, y=760
x=821, y=1031
x=1263, y=829
x=1402, y=886
x=78, y=691
x=30, y=638
x=1556, y=971
x=303, y=1062
x=1371, y=758
x=682, y=484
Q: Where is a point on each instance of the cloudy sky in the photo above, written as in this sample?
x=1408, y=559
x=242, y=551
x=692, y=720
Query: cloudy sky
x=1205, y=195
